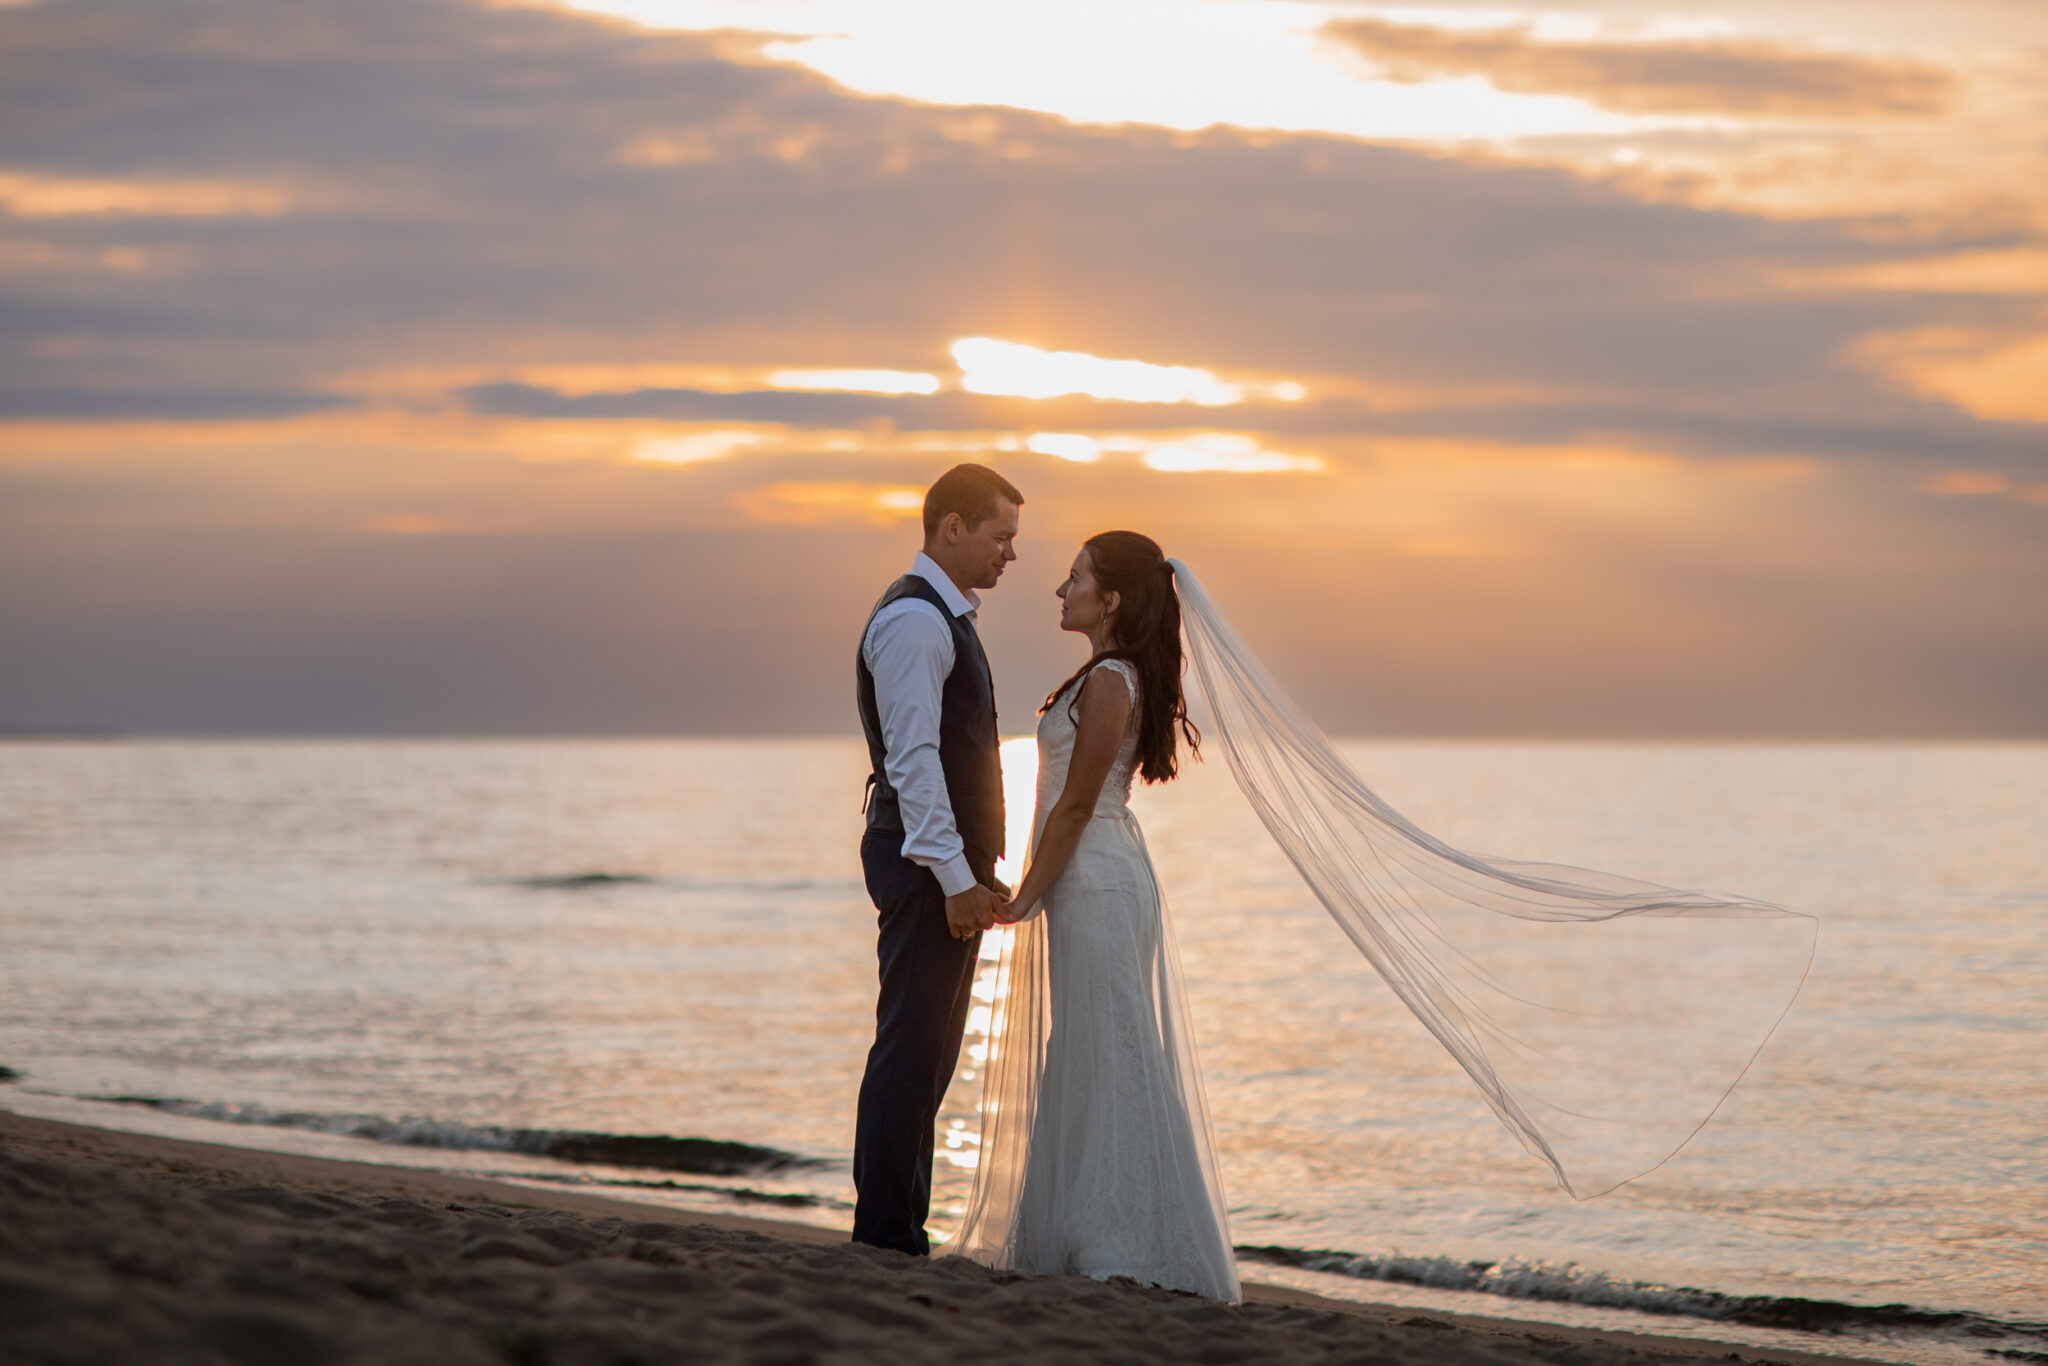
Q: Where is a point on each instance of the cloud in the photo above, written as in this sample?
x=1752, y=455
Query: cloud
x=856, y=381
x=484, y=219
x=1223, y=453
x=42, y=196
x=191, y=404
x=1998, y=373
x=1899, y=431
x=810, y=504
x=1746, y=77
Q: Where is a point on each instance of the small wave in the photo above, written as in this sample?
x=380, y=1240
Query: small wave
x=583, y=882
x=698, y=1156
x=8, y=1074
x=1573, y=1284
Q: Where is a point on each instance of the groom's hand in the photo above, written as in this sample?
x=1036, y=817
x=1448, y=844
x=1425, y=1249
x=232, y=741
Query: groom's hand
x=971, y=912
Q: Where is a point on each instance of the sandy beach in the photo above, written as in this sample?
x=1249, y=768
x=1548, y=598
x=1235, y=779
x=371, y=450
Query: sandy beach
x=120, y=1248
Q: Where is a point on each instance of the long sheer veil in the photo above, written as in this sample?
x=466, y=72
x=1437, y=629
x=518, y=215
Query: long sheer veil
x=1603, y=1019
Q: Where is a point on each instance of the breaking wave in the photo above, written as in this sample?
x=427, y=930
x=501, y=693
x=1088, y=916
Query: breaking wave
x=1573, y=1284
x=697, y=1156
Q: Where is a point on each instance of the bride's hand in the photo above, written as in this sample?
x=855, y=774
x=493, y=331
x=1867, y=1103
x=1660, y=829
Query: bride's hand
x=1017, y=910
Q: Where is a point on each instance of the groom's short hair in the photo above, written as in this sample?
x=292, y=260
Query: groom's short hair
x=971, y=491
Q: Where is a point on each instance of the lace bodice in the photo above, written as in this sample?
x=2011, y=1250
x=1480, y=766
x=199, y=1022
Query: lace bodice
x=1056, y=731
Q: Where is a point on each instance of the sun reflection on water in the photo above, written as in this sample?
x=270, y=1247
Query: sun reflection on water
x=958, y=1137
x=1020, y=794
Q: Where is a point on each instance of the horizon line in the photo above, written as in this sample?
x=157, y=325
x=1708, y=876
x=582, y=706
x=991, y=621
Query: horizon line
x=33, y=734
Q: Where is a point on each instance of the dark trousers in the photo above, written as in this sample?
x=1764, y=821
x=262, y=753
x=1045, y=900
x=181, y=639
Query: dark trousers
x=927, y=977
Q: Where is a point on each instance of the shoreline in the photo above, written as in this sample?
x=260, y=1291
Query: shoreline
x=83, y=1168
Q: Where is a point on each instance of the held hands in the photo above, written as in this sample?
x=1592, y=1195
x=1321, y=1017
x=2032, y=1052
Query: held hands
x=971, y=912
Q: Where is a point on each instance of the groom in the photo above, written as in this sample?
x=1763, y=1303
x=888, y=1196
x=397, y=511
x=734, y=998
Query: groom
x=934, y=832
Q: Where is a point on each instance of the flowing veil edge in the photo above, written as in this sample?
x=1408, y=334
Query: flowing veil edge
x=1604, y=1019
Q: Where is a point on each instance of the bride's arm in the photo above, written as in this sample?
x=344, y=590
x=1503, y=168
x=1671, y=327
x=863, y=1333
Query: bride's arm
x=1101, y=716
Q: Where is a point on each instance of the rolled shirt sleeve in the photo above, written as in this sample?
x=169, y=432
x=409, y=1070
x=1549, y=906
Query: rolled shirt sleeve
x=909, y=649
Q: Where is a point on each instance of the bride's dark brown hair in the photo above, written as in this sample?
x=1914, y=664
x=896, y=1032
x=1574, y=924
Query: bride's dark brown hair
x=1144, y=630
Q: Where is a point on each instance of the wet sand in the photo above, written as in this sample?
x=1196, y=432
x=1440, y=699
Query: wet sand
x=125, y=1248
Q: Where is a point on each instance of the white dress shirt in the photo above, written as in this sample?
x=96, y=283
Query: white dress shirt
x=909, y=650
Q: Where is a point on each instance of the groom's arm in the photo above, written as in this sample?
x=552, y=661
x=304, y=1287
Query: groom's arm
x=909, y=650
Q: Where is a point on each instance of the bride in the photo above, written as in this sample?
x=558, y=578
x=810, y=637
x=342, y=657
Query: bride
x=1603, y=1019
x=1096, y=1155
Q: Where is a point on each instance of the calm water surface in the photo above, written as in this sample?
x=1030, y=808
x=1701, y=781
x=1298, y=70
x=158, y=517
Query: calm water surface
x=284, y=943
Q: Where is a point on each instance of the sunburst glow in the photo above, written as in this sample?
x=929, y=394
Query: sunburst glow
x=989, y=366
x=1081, y=450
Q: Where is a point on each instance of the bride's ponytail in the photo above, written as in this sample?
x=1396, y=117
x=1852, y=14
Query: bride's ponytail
x=1147, y=634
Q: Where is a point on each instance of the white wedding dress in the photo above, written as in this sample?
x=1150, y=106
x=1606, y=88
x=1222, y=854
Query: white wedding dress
x=1096, y=1155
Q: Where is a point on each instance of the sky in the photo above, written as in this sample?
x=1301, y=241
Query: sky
x=1610, y=369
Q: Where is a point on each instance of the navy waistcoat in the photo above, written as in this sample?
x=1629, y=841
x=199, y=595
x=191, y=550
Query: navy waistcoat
x=968, y=753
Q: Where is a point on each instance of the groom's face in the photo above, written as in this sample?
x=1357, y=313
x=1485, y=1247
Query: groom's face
x=986, y=550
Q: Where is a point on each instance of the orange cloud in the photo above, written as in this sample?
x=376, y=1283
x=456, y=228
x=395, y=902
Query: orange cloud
x=856, y=381
x=834, y=501
x=2002, y=273
x=1730, y=76
x=43, y=196
x=1990, y=375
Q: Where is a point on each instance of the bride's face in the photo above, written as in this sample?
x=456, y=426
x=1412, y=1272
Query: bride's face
x=1081, y=601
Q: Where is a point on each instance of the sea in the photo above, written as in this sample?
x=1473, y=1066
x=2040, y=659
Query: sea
x=646, y=968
